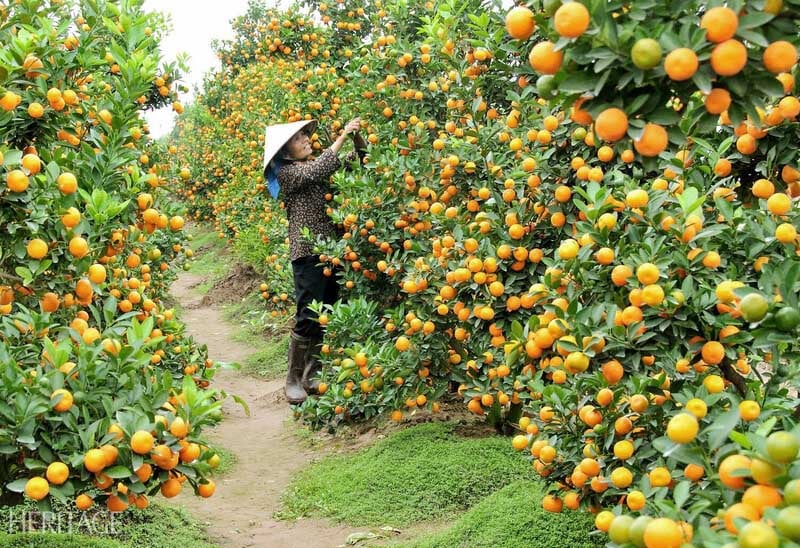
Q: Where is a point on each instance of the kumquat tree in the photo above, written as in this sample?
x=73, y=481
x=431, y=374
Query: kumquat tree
x=103, y=396
x=579, y=218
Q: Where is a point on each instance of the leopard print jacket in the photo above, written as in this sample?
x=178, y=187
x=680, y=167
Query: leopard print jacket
x=303, y=189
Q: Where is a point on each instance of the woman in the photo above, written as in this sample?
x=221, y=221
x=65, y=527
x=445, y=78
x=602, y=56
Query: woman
x=302, y=183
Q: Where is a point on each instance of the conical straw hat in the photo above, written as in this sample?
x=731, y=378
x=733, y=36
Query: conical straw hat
x=278, y=135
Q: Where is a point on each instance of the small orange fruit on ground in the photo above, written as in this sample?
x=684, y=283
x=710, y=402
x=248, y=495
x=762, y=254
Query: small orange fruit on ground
x=681, y=64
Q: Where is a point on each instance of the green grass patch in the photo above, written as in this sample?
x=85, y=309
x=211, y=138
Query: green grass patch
x=513, y=517
x=204, y=238
x=210, y=260
x=157, y=525
x=269, y=360
x=422, y=473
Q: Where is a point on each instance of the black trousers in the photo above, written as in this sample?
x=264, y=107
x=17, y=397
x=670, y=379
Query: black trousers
x=310, y=284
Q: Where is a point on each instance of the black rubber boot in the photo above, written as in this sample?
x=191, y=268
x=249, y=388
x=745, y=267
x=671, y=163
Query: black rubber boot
x=298, y=350
x=313, y=366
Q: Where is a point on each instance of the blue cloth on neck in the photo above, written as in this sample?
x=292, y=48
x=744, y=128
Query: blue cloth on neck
x=272, y=176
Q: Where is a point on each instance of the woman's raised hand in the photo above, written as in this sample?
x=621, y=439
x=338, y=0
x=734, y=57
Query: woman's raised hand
x=352, y=126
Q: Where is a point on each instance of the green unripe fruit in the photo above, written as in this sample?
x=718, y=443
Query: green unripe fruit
x=646, y=53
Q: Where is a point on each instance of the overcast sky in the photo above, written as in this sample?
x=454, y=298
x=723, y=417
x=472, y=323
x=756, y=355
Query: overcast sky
x=195, y=23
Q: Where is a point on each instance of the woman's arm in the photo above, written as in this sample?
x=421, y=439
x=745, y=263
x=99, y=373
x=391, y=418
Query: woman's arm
x=293, y=177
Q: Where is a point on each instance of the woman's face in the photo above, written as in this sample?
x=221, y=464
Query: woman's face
x=299, y=146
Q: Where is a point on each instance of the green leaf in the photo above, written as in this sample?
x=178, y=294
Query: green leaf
x=718, y=432
x=241, y=402
x=118, y=472
x=769, y=85
x=754, y=19
x=740, y=439
x=681, y=494
x=752, y=36
x=17, y=486
x=577, y=82
x=702, y=81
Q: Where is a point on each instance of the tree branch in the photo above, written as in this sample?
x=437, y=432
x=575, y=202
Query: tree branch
x=10, y=277
x=735, y=378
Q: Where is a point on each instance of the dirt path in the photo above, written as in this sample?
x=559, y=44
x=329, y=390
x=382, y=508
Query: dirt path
x=240, y=512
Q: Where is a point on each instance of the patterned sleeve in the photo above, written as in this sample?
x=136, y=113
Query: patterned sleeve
x=354, y=156
x=295, y=176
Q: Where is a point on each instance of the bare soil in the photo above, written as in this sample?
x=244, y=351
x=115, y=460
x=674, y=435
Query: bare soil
x=240, y=281
x=240, y=514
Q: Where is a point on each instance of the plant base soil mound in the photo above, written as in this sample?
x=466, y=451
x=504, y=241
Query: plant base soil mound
x=239, y=282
